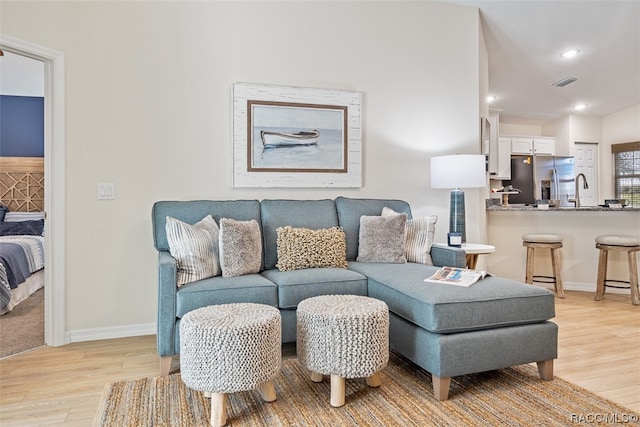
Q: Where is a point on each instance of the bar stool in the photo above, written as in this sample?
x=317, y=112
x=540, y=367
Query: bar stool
x=553, y=242
x=620, y=243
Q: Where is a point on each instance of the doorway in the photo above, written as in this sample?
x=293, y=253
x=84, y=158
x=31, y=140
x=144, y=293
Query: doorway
x=54, y=150
x=586, y=162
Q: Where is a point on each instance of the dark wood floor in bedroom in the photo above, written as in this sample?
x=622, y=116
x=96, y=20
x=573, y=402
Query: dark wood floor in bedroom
x=599, y=349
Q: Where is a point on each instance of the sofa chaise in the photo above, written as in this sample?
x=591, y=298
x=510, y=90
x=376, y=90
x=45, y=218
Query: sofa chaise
x=447, y=330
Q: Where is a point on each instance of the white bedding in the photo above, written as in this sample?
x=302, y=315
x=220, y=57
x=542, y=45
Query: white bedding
x=25, y=290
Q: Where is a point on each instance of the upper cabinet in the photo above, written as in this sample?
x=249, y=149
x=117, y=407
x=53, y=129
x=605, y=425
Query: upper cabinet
x=533, y=146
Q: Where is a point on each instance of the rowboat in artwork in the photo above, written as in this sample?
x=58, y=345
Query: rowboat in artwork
x=283, y=139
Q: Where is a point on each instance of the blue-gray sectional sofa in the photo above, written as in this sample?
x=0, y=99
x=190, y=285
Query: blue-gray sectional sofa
x=447, y=330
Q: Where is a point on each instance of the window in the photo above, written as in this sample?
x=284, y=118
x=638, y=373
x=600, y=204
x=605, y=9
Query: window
x=626, y=164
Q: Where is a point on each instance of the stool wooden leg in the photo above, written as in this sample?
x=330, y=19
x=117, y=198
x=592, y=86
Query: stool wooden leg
x=316, y=377
x=529, y=271
x=218, y=409
x=337, y=391
x=374, y=380
x=633, y=277
x=267, y=391
x=556, y=265
x=602, y=274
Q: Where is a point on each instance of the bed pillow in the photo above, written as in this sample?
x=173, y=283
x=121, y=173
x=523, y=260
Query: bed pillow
x=22, y=228
x=419, y=237
x=195, y=248
x=3, y=210
x=381, y=238
x=300, y=248
x=240, y=245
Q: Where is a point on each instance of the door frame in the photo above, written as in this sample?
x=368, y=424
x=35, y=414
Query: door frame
x=54, y=176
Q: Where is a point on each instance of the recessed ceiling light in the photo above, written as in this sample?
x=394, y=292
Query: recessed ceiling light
x=491, y=98
x=570, y=53
x=580, y=107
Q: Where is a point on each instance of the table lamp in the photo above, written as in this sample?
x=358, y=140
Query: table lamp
x=458, y=171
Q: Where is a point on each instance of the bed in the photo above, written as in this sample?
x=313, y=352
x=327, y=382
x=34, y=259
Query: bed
x=21, y=257
x=21, y=229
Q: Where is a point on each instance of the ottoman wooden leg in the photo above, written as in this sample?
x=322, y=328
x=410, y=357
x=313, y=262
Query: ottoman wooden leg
x=374, y=380
x=337, y=391
x=267, y=391
x=316, y=377
x=218, y=409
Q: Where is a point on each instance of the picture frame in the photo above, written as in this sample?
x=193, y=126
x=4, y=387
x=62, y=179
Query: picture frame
x=296, y=137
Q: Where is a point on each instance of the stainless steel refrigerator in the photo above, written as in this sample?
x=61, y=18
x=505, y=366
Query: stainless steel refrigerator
x=543, y=177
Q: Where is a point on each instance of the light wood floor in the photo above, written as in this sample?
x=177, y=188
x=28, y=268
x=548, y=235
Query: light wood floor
x=599, y=350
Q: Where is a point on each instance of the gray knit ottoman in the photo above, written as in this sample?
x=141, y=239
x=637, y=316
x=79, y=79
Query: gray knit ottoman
x=345, y=336
x=228, y=348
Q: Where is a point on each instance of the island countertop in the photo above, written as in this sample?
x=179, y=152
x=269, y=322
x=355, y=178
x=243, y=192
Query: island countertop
x=578, y=228
x=524, y=208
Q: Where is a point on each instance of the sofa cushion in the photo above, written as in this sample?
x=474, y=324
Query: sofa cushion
x=226, y=290
x=418, y=237
x=381, y=238
x=193, y=211
x=295, y=286
x=240, y=247
x=349, y=213
x=300, y=248
x=195, y=248
x=312, y=214
x=439, y=308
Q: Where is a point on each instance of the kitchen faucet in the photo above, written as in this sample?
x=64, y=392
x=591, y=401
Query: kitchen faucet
x=586, y=186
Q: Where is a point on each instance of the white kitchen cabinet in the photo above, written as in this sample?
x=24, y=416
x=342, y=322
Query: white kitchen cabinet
x=533, y=146
x=503, y=160
x=544, y=146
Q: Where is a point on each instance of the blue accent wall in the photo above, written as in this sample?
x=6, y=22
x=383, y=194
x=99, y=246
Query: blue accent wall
x=21, y=126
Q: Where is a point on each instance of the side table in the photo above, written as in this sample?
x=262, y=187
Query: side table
x=472, y=251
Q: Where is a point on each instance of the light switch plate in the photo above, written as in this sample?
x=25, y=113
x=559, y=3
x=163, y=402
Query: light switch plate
x=106, y=191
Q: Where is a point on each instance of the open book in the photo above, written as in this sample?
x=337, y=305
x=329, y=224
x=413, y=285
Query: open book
x=457, y=276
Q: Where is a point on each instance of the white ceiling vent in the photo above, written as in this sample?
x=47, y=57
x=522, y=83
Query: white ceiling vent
x=564, y=81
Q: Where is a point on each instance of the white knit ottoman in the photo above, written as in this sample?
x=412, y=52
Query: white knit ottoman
x=228, y=348
x=345, y=336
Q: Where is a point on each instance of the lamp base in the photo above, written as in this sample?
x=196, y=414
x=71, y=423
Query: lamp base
x=457, y=215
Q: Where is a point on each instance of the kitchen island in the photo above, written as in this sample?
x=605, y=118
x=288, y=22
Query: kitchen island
x=578, y=227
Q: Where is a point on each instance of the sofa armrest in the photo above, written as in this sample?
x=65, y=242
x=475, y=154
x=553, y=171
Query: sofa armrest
x=449, y=256
x=167, y=303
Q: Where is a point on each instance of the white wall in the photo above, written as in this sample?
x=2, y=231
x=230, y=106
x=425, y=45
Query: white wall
x=21, y=76
x=148, y=107
x=623, y=126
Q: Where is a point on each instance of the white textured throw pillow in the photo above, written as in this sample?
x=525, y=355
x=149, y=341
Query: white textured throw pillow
x=419, y=237
x=195, y=248
x=381, y=238
x=240, y=247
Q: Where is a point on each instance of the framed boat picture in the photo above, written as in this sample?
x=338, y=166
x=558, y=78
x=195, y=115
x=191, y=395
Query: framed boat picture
x=296, y=137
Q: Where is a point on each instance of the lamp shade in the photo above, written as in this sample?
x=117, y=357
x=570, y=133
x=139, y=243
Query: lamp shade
x=458, y=171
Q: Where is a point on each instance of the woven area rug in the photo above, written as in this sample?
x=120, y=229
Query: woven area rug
x=513, y=396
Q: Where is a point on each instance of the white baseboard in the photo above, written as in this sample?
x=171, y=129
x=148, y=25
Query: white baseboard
x=112, y=332
x=584, y=287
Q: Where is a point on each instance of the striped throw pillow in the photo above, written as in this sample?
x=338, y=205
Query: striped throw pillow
x=418, y=237
x=195, y=248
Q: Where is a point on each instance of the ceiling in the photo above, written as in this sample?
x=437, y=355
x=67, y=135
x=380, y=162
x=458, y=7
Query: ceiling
x=525, y=39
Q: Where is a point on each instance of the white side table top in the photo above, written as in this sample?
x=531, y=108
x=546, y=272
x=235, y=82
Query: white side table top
x=478, y=248
x=473, y=248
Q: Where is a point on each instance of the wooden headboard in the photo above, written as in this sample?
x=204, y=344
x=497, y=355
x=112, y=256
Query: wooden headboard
x=22, y=183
